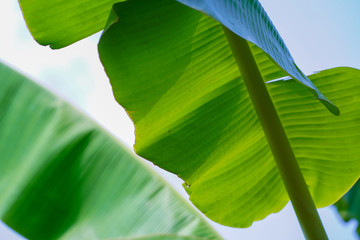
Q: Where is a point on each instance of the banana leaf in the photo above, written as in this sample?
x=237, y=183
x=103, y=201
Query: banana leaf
x=60, y=23
x=349, y=205
x=171, y=68
x=63, y=177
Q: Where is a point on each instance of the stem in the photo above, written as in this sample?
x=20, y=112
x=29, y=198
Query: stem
x=275, y=134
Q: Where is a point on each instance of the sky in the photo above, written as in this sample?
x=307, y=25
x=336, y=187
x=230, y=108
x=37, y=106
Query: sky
x=320, y=34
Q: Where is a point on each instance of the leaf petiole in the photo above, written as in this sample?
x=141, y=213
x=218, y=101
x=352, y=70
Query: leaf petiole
x=286, y=162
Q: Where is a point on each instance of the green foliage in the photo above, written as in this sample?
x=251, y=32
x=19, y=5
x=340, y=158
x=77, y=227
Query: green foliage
x=63, y=177
x=172, y=70
x=59, y=23
x=248, y=19
x=349, y=205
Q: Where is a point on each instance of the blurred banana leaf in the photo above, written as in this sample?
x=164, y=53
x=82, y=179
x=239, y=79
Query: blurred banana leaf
x=63, y=177
x=349, y=205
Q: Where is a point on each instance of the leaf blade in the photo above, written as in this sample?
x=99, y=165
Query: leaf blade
x=204, y=118
x=60, y=23
x=64, y=177
x=348, y=205
x=249, y=20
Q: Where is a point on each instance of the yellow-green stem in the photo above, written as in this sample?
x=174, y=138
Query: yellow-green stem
x=281, y=149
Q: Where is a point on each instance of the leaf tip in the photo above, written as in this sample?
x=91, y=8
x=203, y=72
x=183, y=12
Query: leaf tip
x=330, y=106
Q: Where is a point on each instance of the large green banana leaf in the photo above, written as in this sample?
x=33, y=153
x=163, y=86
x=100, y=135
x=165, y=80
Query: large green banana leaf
x=172, y=70
x=64, y=177
x=349, y=205
x=59, y=23
x=248, y=19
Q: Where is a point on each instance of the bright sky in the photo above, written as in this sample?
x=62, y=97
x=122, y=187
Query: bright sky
x=319, y=33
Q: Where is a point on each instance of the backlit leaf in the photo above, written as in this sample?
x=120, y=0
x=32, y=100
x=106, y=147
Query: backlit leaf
x=172, y=70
